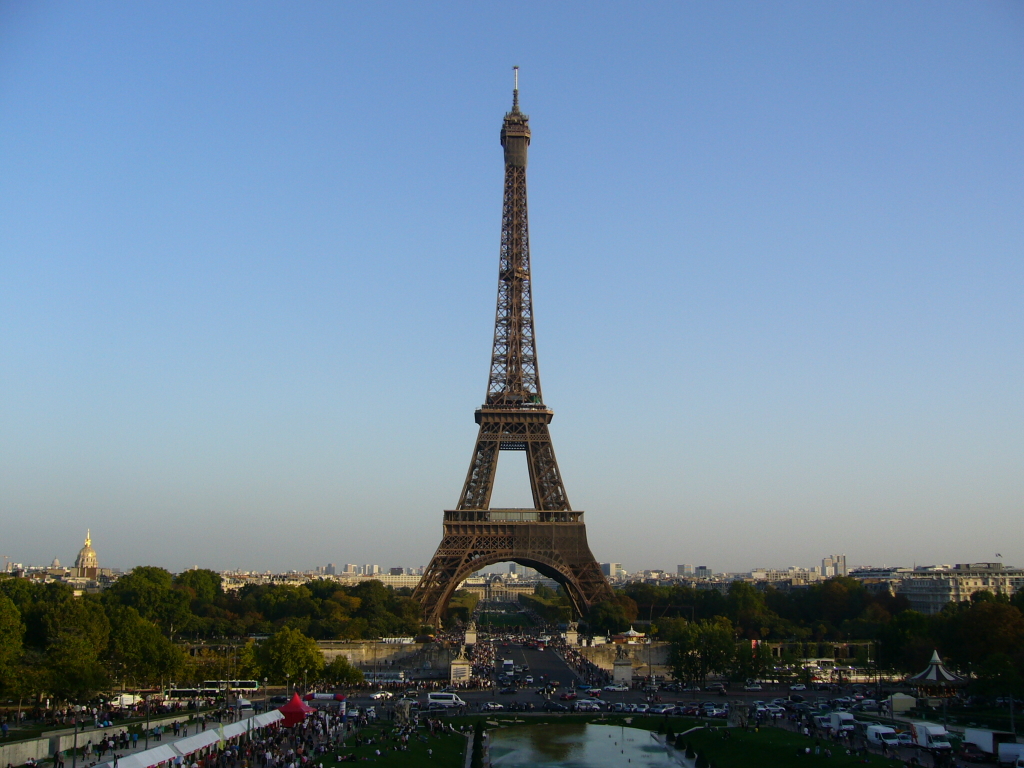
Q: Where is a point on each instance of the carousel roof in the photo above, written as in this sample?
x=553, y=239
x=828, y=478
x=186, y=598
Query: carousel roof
x=936, y=675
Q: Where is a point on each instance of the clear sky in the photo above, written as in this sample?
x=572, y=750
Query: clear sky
x=248, y=260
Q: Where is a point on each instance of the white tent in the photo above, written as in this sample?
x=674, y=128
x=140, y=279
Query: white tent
x=191, y=744
x=267, y=718
x=145, y=759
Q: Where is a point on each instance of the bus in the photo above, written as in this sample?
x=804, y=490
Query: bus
x=215, y=687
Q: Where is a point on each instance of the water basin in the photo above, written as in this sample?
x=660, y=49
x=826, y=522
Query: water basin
x=576, y=745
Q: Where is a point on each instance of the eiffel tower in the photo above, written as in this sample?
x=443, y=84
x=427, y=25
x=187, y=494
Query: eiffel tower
x=550, y=537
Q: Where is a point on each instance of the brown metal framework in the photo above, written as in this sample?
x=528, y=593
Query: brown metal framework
x=551, y=537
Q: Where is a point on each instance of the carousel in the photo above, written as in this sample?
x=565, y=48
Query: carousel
x=936, y=682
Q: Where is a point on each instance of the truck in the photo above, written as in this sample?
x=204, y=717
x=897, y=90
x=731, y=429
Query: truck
x=882, y=735
x=1010, y=755
x=930, y=736
x=988, y=741
x=840, y=722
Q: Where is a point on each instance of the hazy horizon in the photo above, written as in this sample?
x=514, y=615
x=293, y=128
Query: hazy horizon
x=250, y=261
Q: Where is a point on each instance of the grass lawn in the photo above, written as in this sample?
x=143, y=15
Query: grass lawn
x=448, y=750
x=772, y=748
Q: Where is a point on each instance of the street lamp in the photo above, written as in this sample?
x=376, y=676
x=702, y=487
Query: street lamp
x=288, y=682
x=264, y=694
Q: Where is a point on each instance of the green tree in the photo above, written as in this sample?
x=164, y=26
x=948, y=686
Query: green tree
x=341, y=672
x=138, y=651
x=151, y=592
x=702, y=648
x=74, y=671
x=12, y=630
x=287, y=654
x=205, y=585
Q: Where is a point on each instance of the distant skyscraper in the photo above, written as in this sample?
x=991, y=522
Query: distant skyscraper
x=330, y=570
x=702, y=572
x=833, y=565
x=612, y=570
x=351, y=568
x=684, y=570
x=396, y=571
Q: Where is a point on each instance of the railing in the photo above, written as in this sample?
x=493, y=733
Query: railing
x=512, y=516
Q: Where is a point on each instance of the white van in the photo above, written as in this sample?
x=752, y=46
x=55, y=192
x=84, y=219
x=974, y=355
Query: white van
x=446, y=700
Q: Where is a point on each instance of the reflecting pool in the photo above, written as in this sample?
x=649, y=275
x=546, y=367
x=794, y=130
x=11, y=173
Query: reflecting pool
x=576, y=745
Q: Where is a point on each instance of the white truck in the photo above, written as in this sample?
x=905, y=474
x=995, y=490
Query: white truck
x=840, y=722
x=988, y=741
x=1010, y=754
x=882, y=735
x=930, y=736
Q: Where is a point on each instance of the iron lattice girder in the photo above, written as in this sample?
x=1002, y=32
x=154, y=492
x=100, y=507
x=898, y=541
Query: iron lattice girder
x=514, y=377
x=514, y=429
x=558, y=550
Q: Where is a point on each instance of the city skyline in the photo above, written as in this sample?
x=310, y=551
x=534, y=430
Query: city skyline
x=776, y=251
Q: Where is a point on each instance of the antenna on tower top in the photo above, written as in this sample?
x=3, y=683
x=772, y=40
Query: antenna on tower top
x=515, y=91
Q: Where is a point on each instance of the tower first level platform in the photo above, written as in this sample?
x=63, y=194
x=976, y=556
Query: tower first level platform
x=553, y=542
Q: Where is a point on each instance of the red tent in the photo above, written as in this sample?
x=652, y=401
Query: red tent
x=295, y=711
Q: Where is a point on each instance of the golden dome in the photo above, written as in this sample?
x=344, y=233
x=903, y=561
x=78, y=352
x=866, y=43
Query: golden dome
x=87, y=555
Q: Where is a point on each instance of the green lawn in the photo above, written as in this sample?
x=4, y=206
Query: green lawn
x=448, y=750
x=772, y=748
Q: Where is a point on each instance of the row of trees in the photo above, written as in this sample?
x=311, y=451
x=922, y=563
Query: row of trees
x=151, y=628
x=983, y=637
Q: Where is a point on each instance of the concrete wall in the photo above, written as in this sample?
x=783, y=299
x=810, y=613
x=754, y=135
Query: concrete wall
x=19, y=752
x=655, y=653
x=388, y=657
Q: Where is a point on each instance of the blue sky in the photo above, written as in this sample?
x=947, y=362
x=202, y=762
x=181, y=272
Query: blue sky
x=249, y=257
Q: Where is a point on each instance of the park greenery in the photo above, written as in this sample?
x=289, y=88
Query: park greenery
x=152, y=628
x=712, y=631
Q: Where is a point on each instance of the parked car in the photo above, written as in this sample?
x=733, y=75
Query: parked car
x=753, y=687
x=492, y=706
x=619, y=688
x=381, y=695
x=554, y=706
x=663, y=709
x=798, y=687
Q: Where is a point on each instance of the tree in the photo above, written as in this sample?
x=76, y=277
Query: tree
x=151, y=592
x=341, y=672
x=12, y=630
x=287, y=654
x=75, y=673
x=139, y=651
x=701, y=649
x=205, y=585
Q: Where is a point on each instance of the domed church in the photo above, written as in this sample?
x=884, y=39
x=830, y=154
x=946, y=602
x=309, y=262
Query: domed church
x=86, y=564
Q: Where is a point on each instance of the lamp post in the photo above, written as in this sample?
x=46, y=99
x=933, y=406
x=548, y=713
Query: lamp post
x=146, y=700
x=288, y=682
x=264, y=694
x=74, y=754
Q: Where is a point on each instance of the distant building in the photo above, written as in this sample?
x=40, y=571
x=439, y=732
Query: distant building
x=396, y=571
x=833, y=565
x=87, y=564
x=702, y=572
x=785, y=579
x=612, y=570
x=684, y=570
x=330, y=570
x=930, y=588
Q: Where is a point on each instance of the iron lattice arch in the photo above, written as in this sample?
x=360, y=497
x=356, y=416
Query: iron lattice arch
x=557, y=550
x=551, y=536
